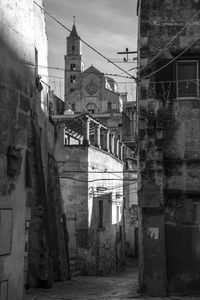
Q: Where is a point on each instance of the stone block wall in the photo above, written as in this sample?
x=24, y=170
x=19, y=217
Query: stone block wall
x=85, y=175
x=23, y=151
x=15, y=99
x=168, y=151
x=57, y=224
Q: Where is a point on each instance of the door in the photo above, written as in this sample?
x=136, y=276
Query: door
x=72, y=231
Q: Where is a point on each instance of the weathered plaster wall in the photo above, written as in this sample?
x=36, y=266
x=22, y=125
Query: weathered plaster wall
x=15, y=97
x=57, y=224
x=72, y=163
x=168, y=155
x=85, y=174
x=181, y=162
x=106, y=244
x=24, y=122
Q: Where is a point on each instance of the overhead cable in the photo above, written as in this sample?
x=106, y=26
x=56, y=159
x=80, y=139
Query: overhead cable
x=94, y=180
x=75, y=71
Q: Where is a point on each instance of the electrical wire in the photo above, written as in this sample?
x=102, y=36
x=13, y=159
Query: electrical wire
x=92, y=48
x=74, y=71
x=171, y=61
x=173, y=81
x=94, y=180
x=130, y=82
x=57, y=77
x=171, y=41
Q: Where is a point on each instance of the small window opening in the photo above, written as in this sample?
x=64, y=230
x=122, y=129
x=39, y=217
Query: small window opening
x=187, y=78
x=73, y=107
x=73, y=67
x=109, y=106
x=73, y=79
x=100, y=213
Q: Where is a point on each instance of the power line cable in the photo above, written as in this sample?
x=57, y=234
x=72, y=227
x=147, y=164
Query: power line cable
x=94, y=180
x=58, y=77
x=98, y=172
x=85, y=72
x=130, y=82
x=171, y=61
x=171, y=41
x=92, y=48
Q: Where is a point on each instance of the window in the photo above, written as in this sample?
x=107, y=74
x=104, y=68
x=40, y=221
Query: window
x=4, y=290
x=104, y=207
x=73, y=107
x=73, y=67
x=72, y=78
x=5, y=231
x=109, y=106
x=92, y=139
x=91, y=111
x=73, y=48
x=100, y=213
x=187, y=76
x=117, y=214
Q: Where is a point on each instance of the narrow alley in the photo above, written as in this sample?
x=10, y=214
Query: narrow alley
x=122, y=285
x=99, y=149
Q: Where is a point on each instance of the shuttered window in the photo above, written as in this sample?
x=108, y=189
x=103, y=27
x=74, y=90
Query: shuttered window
x=187, y=78
x=5, y=231
x=4, y=290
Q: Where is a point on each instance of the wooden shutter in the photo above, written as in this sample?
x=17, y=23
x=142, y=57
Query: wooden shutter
x=5, y=231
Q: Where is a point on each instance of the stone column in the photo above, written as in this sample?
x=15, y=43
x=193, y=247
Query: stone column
x=86, y=138
x=117, y=148
x=112, y=144
x=121, y=151
x=108, y=141
x=98, y=136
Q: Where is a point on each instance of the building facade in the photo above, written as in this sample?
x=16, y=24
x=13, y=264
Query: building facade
x=91, y=179
x=90, y=91
x=168, y=120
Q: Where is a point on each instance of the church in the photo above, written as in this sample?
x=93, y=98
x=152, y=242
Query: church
x=90, y=91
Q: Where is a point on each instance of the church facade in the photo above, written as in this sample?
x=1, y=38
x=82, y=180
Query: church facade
x=90, y=91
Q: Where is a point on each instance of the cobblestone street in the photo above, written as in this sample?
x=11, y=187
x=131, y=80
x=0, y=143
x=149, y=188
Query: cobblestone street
x=120, y=286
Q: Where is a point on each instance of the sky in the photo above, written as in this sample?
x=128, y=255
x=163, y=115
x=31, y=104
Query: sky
x=110, y=26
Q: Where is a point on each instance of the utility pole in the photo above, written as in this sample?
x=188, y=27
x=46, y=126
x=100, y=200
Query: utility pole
x=127, y=52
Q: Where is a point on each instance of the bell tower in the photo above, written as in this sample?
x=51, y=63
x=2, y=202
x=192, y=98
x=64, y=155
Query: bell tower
x=74, y=64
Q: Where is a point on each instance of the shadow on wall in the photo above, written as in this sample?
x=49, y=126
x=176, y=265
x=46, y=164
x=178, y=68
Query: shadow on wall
x=105, y=240
x=20, y=109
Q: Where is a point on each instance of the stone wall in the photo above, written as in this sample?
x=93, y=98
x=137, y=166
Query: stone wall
x=23, y=151
x=15, y=98
x=105, y=174
x=168, y=152
x=57, y=224
x=87, y=175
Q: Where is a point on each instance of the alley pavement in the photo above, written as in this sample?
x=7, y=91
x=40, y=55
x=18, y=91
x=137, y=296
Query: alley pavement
x=120, y=286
